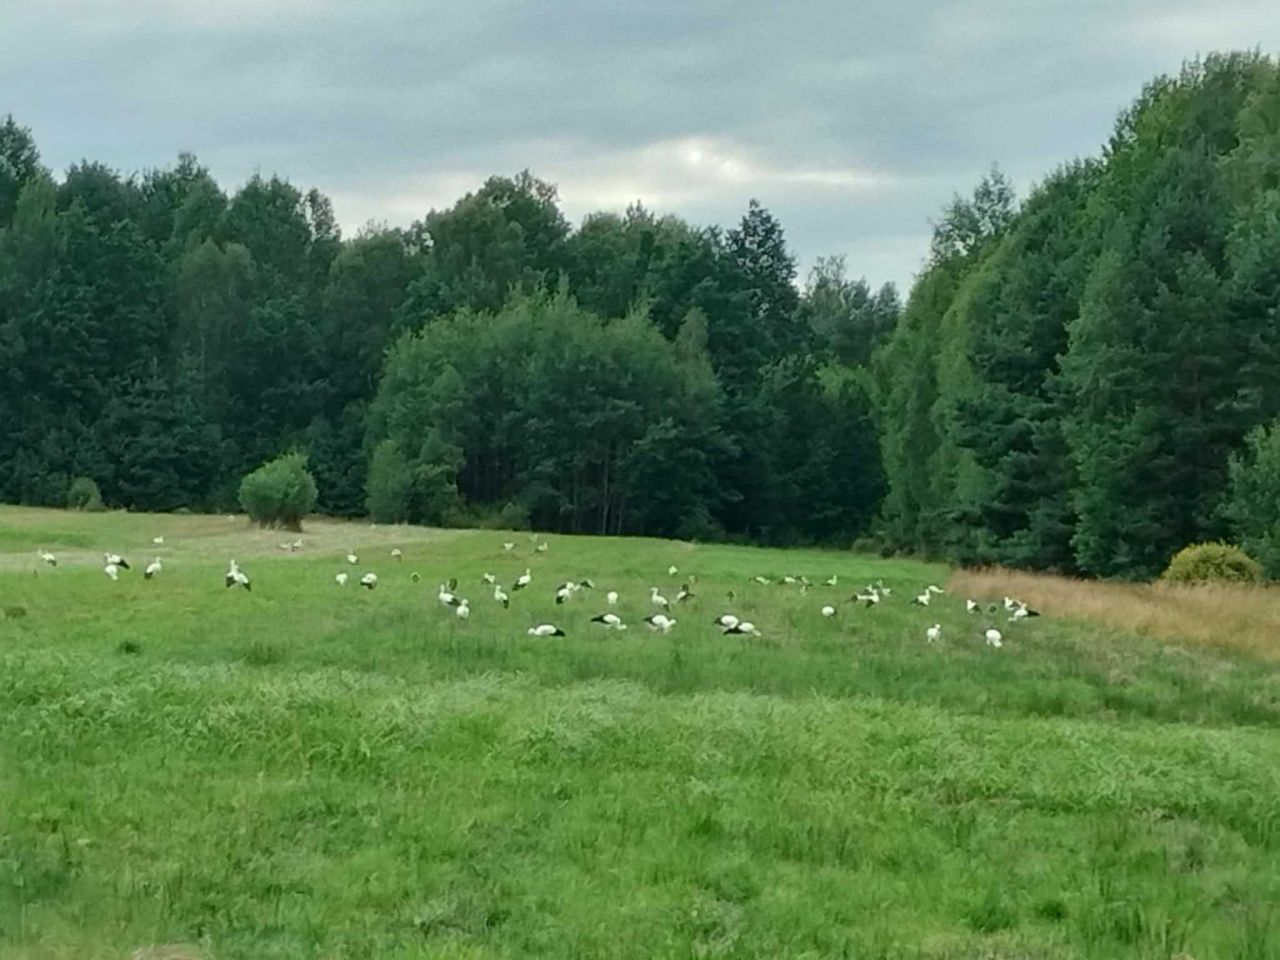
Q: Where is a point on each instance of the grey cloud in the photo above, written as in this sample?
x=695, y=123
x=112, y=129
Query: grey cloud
x=854, y=122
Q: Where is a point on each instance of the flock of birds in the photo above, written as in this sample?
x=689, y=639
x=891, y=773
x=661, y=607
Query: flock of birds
x=659, y=621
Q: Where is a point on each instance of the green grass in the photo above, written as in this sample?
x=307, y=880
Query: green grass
x=313, y=771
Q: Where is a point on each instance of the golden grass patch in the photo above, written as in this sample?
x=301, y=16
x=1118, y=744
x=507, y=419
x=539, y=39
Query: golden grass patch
x=1244, y=618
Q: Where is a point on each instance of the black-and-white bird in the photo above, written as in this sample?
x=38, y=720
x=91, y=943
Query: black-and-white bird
x=922, y=599
x=1021, y=612
x=658, y=599
x=340, y=578
x=727, y=620
x=446, y=597
x=743, y=627
x=660, y=623
x=235, y=577
x=611, y=621
x=48, y=558
x=994, y=638
x=546, y=630
x=111, y=570
x=508, y=546
x=684, y=594
x=158, y=541
x=828, y=611
x=489, y=579
x=523, y=580
x=672, y=570
x=152, y=569
x=501, y=596
x=611, y=598
x=564, y=592
x=397, y=554
x=869, y=597
x=934, y=633
x=463, y=610
x=115, y=559
x=541, y=547
x=831, y=581
x=934, y=588
x=971, y=606
x=369, y=580
x=763, y=581
x=352, y=558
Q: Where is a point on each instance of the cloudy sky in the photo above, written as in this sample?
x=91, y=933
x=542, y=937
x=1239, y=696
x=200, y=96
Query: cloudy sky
x=853, y=120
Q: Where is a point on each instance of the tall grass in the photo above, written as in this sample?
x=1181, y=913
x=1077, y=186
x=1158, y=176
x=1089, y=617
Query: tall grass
x=315, y=771
x=1243, y=618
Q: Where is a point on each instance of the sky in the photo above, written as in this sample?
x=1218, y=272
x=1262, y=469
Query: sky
x=853, y=121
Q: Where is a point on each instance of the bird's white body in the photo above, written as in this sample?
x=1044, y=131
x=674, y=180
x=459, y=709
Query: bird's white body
x=115, y=560
x=934, y=633
x=727, y=620
x=763, y=581
x=994, y=638
x=828, y=611
x=369, y=580
x=523, y=580
x=500, y=595
x=153, y=568
x=611, y=598
x=236, y=577
x=397, y=553
x=158, y=541
x=684, y=594
x=546, y=630
x=489, y=579
x=932, y=588
x=658, y=599
x=743, y=627
x=660, y=623
x=541, y=547
x=831, y=581
x=352, y=559
x=446, y=598
x=48, y=558
x=971, y=606
x=340, y=579
x=923, y=599
x=508, y=546
x=672, y=571
x=463, y=611
x=112, y=571
x=610, y=621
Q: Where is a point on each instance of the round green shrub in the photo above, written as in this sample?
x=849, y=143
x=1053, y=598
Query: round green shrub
x=1212, y=562
x=279, y=493
x=84, y=494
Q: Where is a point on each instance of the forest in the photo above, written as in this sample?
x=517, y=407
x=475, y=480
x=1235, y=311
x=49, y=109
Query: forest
x=1083, y=380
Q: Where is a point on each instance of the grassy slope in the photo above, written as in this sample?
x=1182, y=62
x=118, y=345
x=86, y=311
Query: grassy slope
x=314, y=771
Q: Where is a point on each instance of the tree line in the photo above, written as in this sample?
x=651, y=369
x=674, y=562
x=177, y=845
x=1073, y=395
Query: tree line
x=490, y=363
x=1080, y=381
x=1073, y=378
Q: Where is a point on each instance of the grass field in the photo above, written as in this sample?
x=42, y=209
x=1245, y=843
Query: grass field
x=314, y=771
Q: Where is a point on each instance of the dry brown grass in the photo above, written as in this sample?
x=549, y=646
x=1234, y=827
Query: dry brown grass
x=1234, y=617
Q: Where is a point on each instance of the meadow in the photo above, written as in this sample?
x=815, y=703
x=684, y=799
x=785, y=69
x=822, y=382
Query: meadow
x=308, y=770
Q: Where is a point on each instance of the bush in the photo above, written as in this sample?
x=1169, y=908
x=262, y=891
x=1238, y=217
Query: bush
x=279, y=493
x=84, y=495
x=1212, y=562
